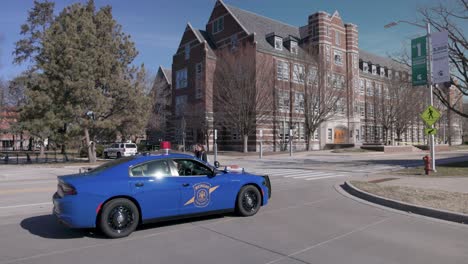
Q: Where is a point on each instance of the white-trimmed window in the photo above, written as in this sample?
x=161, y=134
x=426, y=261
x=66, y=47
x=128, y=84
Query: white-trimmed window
x=298, y=73
x=187, y=51
x=312, y=76
x=294, y=48
x=365, y=67
x=300, y=131
x=340, y=106
x=283, y=101
x=330, y=134
x=284, y=131
x=299, y=102
x=234, y=42
x=355, y=61
x=389, y=72
x=218, y=25
x=337, y=37
x=338, y=55
x=378, y=89
x=327, y=52
x=371, y=110
x=357, y=135
x=278, y=43
x=198, y=80
x=374, y=70
x=361, y=86
x=382, y=72
x=181, y=78
x=369, y=88
x=397, y=75
x=362, y=110
x=282, y=70
x=180, y=103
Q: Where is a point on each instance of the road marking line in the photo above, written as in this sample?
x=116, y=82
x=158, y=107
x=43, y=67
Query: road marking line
x=308, y=173
x=314, y=176
x=325, y=177
x=24, y=205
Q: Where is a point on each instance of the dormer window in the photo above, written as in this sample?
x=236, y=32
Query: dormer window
x=397, y=75
x=389, y=72
x=374, y=70
x=382, y=72
x=365, y=67
x=278, y=43
x=294, y=48
x=218, y=25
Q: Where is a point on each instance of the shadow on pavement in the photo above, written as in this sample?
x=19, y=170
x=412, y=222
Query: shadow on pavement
x=47, y=226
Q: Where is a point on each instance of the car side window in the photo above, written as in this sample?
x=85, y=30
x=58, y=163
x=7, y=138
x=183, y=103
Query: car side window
x=158, y=168
x=191, y=168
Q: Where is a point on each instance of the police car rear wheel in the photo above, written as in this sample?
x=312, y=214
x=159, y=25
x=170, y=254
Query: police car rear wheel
x=248, y=201
x=119, y=218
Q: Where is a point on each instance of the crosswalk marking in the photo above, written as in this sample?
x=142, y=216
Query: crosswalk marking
x=283, y=175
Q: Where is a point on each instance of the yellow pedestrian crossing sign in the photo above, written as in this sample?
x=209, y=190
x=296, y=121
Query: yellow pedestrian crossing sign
x=430, y=131
x=430, y=115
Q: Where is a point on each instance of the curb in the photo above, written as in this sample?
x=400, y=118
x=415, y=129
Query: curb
x=406, y=207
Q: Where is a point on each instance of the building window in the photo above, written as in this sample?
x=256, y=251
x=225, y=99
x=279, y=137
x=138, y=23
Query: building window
x=180, y=103
x=235, y=135
x=327, y=52
x=374, y=70
x=181, y=78
x=298, y=73
x=278, y=43
x=397, y=75
x=299, y=102
x=365, y=67
x=300, y=131
x=294, y=48
x=338, y=55
x=312, y=77
x=198, y=80
x=369, y=88
x=389, y=72
x=328, y=30
x=337, y=38
x=382, y=72
x=341, y=106
x=187, y=51
x=371, y=110
x=330, y=134
x=283, y=101
x=357, y=135
x=218, y=25
x=355, y=61
x=362, y=110
x=284, y=131
x=378, y=88
x=282, y=70
x=361, y=86
x=234, y=42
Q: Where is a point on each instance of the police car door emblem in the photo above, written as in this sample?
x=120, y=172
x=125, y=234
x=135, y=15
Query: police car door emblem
x=201, y=194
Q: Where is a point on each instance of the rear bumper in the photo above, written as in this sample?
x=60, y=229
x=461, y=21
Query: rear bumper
x=71, y=213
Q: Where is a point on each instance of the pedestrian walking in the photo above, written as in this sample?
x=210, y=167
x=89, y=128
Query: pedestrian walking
x=203, y=155
x=196, y=151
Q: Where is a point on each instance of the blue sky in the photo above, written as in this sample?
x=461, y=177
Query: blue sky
x=157, y=26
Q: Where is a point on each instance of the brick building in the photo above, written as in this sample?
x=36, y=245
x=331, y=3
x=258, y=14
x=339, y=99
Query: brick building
x=362, y=80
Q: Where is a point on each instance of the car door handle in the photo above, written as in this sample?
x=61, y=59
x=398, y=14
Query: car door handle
x=185, y=184
x=139, y=184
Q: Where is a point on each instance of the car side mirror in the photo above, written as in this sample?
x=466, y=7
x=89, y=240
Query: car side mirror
x=216, y=164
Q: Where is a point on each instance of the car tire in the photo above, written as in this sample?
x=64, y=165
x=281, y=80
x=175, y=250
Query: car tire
x=106, y=156
x=119, y=155
x=119, y=218
x=248, y=201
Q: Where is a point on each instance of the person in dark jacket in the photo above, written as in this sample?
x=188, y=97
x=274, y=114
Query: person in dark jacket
x=203, y=155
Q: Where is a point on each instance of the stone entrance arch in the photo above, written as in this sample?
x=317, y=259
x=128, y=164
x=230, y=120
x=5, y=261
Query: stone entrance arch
x=340, y=135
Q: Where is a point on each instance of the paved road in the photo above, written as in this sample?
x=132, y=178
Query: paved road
x=307, y=221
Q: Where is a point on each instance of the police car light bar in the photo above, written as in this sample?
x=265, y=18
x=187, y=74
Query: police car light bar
x=165, y=146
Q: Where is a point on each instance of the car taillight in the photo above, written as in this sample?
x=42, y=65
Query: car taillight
x=66, y=189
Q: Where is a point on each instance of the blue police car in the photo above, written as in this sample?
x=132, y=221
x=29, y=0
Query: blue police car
x=119, y=195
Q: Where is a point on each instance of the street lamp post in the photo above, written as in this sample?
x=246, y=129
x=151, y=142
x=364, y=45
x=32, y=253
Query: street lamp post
x=429, y=79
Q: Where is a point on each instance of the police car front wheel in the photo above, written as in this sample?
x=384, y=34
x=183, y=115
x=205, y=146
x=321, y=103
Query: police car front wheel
x=249, y=201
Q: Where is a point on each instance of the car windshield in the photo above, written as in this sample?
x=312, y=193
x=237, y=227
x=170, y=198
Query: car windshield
x=130, y=146
x=110, y=164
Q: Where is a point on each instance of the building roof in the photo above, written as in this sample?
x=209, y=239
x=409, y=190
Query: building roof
x=167, y=73
x=204, y=36
x=263, y=26
x=381, y=61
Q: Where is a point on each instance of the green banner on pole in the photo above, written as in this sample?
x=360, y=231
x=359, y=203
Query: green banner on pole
x=419, y=61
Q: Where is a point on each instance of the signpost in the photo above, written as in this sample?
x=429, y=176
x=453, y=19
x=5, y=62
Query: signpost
x=419, y=61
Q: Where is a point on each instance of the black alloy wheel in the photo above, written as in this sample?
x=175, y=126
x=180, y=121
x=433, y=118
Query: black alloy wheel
x=249, y=200
x=119, y=155
x=119, y=218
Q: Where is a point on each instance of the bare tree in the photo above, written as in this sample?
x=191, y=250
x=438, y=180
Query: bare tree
x=242, y=91
x=452, y=19
x=324, y=93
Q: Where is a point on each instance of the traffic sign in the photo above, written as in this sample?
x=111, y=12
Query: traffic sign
x=430, y=131
x=430, y=115
x=419, y=61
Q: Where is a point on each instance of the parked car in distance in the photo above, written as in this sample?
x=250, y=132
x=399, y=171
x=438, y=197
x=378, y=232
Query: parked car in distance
x=119, y=150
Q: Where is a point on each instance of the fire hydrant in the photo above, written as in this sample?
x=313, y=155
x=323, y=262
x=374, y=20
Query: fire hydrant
x=427, y=164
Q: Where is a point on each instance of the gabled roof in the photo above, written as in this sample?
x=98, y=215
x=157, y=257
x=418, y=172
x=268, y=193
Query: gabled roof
x=263, y=26
x=205, y=37
x=382, y=61
x=166, y=74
